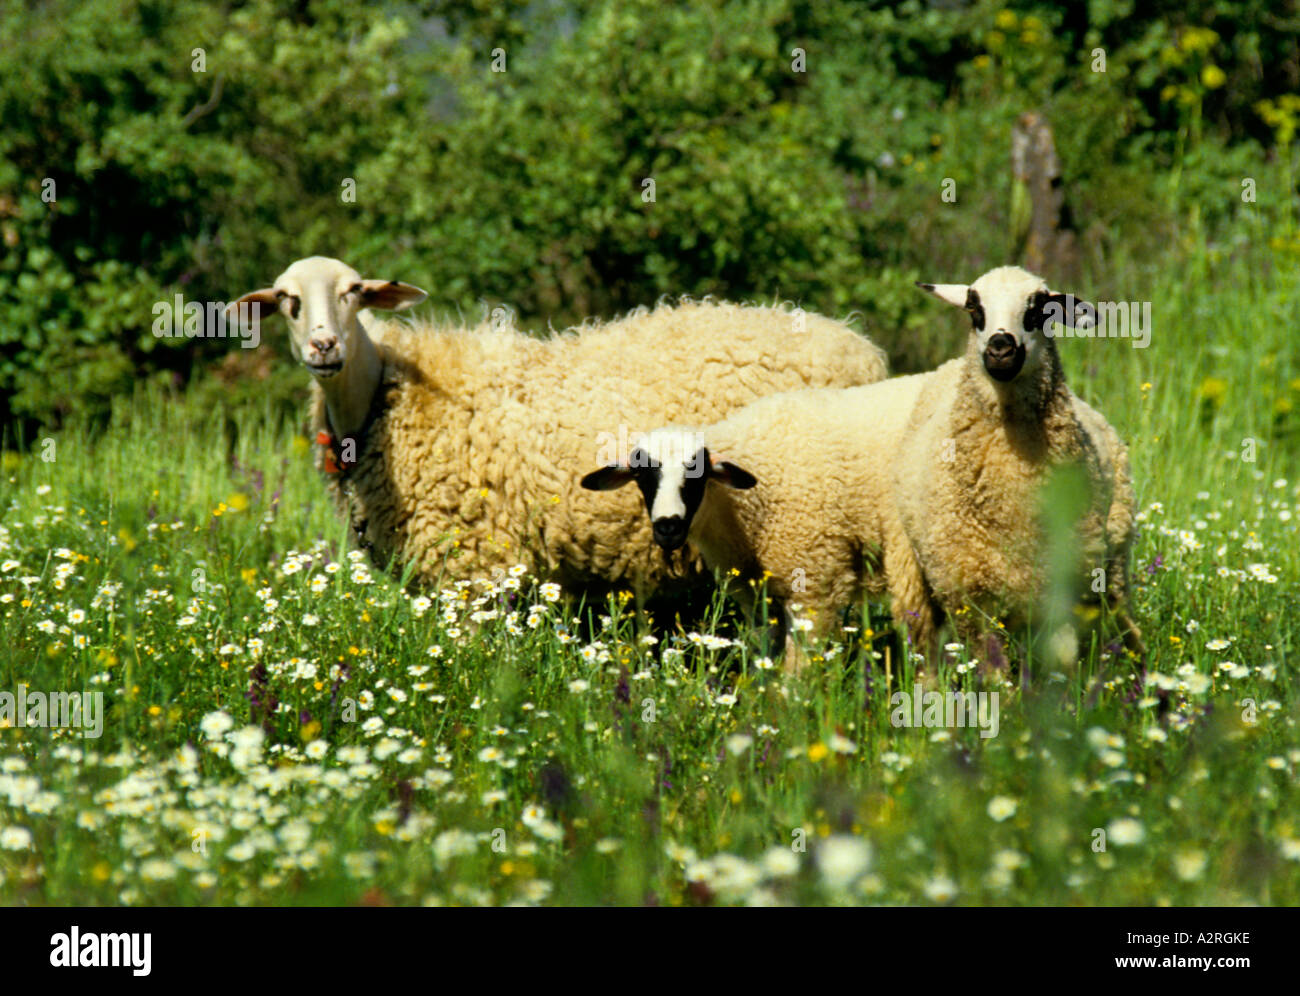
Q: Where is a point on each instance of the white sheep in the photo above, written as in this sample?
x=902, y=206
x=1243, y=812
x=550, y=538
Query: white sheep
x=794, y=490
x=469, y=441
x=988, y=432
x=925, y=487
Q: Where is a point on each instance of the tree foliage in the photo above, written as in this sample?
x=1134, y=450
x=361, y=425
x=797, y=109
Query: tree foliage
x=629, y=149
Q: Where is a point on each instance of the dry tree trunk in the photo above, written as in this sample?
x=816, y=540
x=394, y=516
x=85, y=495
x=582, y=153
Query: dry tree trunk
x=1045, y=236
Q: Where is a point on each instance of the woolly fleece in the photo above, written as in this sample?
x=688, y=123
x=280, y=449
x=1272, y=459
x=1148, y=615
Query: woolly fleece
x=970, y=476
x=821, y=524
x=483, y=434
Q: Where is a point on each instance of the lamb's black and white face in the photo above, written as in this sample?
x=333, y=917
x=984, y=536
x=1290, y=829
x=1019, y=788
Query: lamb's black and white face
x=673, y=470
x=320, y=297
x=1009, y=308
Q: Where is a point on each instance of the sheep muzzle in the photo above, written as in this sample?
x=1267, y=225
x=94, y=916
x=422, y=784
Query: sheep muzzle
x=670, y=532
x=1003, y=357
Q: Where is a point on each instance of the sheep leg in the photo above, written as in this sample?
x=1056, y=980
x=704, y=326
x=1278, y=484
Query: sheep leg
x=1132, y=635
x=826, y=623
x=794, y=660
x=1115, y=597
x=994, y=658
x=911, y=604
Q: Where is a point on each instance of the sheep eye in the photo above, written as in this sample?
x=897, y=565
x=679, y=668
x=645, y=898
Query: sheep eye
x=1034, y=317
x=294, y=302
x=354, y=289
x=976, y=310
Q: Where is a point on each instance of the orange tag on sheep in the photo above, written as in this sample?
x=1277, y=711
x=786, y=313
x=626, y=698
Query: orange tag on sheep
x=323, y=438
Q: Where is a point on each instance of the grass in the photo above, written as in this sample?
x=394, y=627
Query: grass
x=286, y=726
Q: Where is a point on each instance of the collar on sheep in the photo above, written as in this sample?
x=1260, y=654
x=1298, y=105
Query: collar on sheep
x=333, y=462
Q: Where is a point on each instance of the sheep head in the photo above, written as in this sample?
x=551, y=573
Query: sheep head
x=320, y=298
x=1012, y=313
x=672, y=467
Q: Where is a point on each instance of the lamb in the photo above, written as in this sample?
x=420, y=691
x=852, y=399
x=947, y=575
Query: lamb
x=466, y=441
x=795, y=490
x=987, y=432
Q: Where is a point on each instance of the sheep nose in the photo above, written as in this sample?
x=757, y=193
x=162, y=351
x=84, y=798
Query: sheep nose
x=1000, y=346
x=324, y=343
x=670, y=532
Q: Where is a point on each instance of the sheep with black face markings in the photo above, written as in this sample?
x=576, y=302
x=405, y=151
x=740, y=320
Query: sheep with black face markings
x=794, y=490
x=473, y=438
x=925, y=487
x=987, y=432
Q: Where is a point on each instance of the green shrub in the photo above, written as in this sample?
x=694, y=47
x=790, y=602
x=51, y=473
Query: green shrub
x=386, y=137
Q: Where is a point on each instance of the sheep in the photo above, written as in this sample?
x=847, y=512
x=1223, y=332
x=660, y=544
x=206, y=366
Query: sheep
x=908, y=487
x=795, y=490
x=987, y=432
x=466, y=440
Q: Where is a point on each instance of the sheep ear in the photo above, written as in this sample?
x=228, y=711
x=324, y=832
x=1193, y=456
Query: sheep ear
x=607, y=478
x=389, y=295
x=954, y=294
x=726, y=472
x=258, y=305
x=1075, y=312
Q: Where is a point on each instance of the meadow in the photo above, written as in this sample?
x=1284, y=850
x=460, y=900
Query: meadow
x=287, y=724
